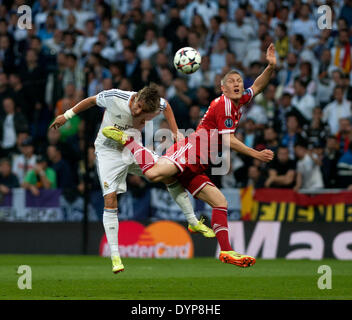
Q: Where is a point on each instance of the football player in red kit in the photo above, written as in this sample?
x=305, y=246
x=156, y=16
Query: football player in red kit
x=187, y=159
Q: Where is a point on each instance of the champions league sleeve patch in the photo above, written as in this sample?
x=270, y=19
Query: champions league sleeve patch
x=162, y=104
x=228, y=123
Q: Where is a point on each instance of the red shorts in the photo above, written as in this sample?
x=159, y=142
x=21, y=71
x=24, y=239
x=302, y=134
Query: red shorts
x=186, y=156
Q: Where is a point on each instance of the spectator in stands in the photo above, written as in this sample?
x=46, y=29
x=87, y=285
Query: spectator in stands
x=318, y=130
x=8, y=180
x=267, y=101
x=331, y=157
x=289, y=71
x=6, y=54
x=325, y=85
x=193, y=40
x=347, y=86
x=250, y=135
x=204, y=76
x=306, y=75
x=244, y=33
x=271, y=139
x=148, y=72
x=194, y=118
x=298, y=47
x=341, y=53
x=346, y=12
x=305, y=25
x=202, y=99
x=344, y=169
x=339, y=108
x=285, y=108
x=181, y=101
x=61, y=167
x=282, y=41
x=73, y=72
x=24, y=161
x=344, y=135
x=218, y=56
x=308, y=168
x=282, y=170
x=256, y=176
x=150, y=46
x=213, y=35
x=5, y=90
x=69, y=96
x=41, y=177
x=293, y=133
x=10, y=124
x=132, y=67
x=19, y=94
x=302, y=100
x=90, y=180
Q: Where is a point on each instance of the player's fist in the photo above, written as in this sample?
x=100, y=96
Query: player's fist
x=58, y=122
x=265, y=155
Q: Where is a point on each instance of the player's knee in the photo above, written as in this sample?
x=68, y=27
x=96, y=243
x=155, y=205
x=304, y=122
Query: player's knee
x=221, y=202
x=153, y=176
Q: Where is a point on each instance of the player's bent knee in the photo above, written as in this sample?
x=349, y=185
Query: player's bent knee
x=153, y=176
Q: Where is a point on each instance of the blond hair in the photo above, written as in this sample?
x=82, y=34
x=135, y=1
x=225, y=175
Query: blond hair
x=224, y=79
x=151, y=98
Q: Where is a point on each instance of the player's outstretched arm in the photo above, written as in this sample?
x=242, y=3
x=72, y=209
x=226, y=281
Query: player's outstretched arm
x=237, y=145
x=170, y=118
x=79, y=107
x=263, y=79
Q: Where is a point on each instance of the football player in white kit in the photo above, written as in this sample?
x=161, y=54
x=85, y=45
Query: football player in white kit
x=128, y=110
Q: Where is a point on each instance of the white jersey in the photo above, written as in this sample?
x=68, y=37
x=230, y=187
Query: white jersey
x=112, y=166
x=117, y=113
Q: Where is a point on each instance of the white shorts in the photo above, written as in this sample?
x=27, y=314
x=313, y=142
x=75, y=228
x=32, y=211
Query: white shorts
x=113, y=166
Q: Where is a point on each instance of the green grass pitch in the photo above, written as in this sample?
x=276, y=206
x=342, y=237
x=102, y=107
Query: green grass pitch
x=90, y=277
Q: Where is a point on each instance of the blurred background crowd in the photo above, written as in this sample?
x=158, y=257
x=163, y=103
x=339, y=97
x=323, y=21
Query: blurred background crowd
x=77, y=48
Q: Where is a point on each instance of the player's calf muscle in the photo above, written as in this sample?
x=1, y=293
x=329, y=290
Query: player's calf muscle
x=110, y=201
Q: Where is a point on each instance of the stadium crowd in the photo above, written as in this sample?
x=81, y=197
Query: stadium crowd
x=77, y=48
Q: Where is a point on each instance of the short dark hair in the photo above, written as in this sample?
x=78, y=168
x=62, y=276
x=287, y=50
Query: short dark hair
x=300, y=38
x=301, y=143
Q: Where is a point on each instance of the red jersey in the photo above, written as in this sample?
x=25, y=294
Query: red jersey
x=191, y=156
x=223, y=115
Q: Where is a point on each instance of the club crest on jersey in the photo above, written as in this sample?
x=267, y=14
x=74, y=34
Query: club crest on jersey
x=228, y=123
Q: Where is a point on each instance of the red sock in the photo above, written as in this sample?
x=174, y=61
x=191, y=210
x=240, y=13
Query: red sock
x=142, y=155
x=219, y=225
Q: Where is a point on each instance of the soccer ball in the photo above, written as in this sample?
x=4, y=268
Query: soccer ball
x=187, y=60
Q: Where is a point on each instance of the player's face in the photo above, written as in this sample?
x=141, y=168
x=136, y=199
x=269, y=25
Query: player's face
x=233, y=87
x=136, y=107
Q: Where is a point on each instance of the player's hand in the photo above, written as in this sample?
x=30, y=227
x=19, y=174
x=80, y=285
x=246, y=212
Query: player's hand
x=58, y=122
x=265, y=155
x=270, y=55
x=34, y=190
x=178, y=136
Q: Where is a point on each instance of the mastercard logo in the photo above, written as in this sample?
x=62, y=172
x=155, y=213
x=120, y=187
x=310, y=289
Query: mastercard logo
x=161, y=239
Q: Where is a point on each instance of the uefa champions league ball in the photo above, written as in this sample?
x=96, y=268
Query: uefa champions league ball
x=187, y=60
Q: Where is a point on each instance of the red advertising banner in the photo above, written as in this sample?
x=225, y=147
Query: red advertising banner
x=287, y=205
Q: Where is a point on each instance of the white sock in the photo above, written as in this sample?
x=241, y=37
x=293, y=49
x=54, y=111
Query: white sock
x=180, y=196
x=111, y=226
